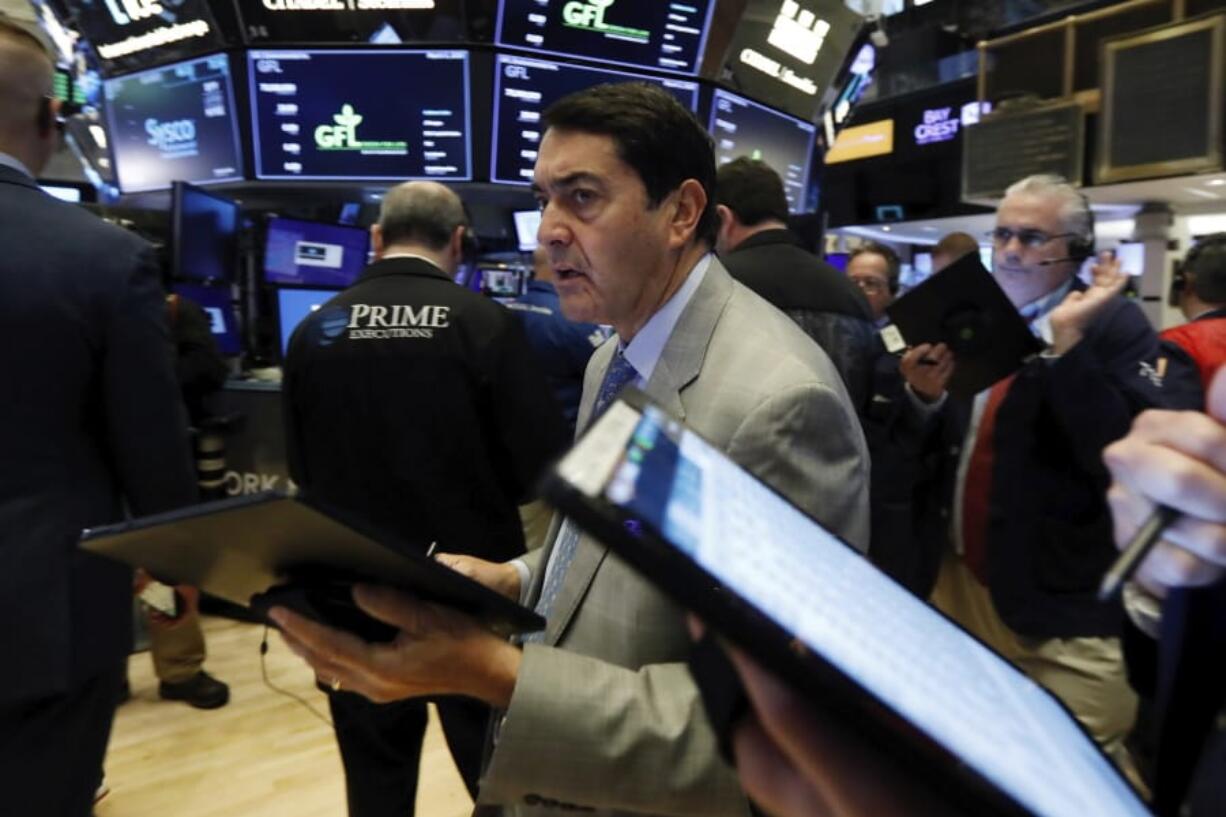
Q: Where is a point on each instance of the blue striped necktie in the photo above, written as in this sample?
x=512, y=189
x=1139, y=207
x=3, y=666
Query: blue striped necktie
x=619, y=375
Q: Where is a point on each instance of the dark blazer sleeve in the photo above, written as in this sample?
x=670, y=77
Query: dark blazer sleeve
x=529, y=432
x=1117, y=371
x=146, y=424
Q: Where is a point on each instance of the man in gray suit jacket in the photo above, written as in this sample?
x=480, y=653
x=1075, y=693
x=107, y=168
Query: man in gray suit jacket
x=602, y=713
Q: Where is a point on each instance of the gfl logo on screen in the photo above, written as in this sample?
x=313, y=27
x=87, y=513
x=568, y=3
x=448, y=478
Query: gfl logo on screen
x=125, y=11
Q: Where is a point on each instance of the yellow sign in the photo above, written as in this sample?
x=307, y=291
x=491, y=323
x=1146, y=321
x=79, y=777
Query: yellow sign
x=863, y=141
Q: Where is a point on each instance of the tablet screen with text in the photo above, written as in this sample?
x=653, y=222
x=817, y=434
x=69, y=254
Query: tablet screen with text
x=690, y=500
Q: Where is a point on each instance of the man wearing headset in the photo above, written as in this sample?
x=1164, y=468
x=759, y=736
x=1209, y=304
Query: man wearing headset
x=91, y=421
x=418, y=406
x=1017, y=503
x=1199, y=290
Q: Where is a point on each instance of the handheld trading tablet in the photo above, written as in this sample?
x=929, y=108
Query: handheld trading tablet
x=271, y=549
x=809, y=607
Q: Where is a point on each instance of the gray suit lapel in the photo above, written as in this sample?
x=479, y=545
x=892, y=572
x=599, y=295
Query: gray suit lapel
x=679, y=364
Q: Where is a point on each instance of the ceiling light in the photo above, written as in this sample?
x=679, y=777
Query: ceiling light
x=887, y=229
x=1216, y=182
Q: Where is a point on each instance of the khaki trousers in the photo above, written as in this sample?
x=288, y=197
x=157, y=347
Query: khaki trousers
x=177, y=649
x=1086, y=674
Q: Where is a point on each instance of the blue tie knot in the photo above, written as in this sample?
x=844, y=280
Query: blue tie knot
x=620, y=374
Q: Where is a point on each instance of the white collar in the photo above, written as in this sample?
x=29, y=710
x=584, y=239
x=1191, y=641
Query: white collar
x=644, y=350
x=1037, y=312
x=12, y=161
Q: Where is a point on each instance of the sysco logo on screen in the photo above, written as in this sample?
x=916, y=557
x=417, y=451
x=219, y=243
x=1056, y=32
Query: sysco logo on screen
x=125, y=11
x=171, y=136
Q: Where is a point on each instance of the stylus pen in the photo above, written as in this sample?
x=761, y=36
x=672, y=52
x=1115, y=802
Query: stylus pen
x=1137, y=549
x=430, y=550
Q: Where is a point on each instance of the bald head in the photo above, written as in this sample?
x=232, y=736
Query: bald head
x=27, y=75
x=424, y=218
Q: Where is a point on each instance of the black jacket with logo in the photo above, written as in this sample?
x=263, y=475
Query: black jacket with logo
x=418, y=405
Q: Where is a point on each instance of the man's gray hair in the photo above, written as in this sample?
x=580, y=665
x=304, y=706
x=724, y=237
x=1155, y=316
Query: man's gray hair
x=424, y=213
x=1075, y=212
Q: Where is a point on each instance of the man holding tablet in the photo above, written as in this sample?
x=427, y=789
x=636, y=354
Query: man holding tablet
x=602, y=714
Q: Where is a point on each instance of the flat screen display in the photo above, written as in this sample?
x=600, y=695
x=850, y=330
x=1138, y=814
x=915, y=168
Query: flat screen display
x=293, y=307
x=310, y=253
x=72, y=195
x=361, y=115
x=742, y=127
x=175, y=123
x=788, y=52
x=386, y=22
x=527, y=223
x=127, y=35
x=204, y=228
x=524, y=88
x=699, y=509
x=219, y=309
x=667, y=35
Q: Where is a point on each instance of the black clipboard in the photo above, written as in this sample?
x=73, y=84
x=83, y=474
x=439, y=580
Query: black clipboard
x=618, y=483
x=272, y=549
x=963, y=307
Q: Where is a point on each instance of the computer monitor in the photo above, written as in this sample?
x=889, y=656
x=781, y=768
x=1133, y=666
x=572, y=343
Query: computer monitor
x=204, y=235
x=72, y=195
x=838, y=260
x=524, y=88
x=665, y=35
x=174, y=123
x=742, y=127
x=380, y=23
x=219, y=307
x=527, y=223
x=361, y=115
x=293, y=306
x=311, y=253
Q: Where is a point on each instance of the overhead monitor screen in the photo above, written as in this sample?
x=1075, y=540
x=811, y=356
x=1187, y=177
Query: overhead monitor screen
x=205, y=230
x=360, y=115
x=527, y=223
x=175, y=123
x=667, y=35
x=127, y=35
x=745, y=128
x=293, y=307
x=218, y=307
x=525, y=88
x=385, y=22
x=788, y=52
x=310, y=253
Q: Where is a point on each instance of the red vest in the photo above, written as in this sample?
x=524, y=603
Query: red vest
x=1205, y=341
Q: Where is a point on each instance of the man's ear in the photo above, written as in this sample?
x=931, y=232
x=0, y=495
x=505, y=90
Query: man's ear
x=376, y=240
x=690, y=201
x=48, y=111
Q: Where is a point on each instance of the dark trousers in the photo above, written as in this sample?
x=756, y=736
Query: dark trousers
x=51, y=749
x=380, y=746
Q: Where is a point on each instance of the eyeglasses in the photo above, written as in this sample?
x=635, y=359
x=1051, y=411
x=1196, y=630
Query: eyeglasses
x=1031, y=239
x=869, y=284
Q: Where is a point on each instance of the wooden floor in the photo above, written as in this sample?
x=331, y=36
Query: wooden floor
x=262, y=755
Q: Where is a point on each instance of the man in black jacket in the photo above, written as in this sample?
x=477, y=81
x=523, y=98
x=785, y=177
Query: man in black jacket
x=90, y=421
x=756, y=246
x=417, y=405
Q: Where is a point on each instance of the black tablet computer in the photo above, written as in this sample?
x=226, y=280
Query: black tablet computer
x=271, y=549
x=809, y=607
x=963, y=307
